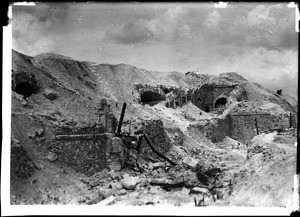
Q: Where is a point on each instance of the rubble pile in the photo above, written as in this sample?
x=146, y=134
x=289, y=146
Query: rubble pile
x=185, y=139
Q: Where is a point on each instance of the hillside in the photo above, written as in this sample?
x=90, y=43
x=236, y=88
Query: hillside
x=190, y=118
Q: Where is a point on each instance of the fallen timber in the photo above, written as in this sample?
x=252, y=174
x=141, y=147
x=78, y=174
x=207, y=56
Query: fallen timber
x=83, y=136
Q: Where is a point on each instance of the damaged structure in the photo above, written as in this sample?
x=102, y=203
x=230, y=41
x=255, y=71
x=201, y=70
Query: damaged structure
x=209, y=97
x=90, y=150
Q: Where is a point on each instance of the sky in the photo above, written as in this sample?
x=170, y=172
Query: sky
x=256, y=40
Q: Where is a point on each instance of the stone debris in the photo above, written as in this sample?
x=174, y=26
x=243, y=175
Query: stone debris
x=50, y=94
x=129, y=182
x=190, y=162
x=117, y=186
x=51, y=157
x=166, y=150
x=198, y=190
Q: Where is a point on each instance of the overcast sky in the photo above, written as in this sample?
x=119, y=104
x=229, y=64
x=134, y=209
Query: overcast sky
x=256, y=40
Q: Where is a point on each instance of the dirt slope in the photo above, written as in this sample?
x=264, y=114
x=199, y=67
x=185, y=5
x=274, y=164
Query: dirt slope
x=52, y=92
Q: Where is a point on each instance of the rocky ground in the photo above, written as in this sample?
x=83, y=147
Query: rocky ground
x=66, y=96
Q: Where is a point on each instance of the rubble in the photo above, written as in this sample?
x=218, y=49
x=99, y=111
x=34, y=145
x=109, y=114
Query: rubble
x=50, y=94
x=51, y=157
x=22, y=166
x=181, y=141
x=129, y=182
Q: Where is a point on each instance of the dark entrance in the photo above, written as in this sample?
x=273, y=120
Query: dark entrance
x=220, y=102
x=151, y=98
x=25, y=84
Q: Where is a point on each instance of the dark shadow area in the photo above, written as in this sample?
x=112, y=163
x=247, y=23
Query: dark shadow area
x=25, y=84
x=220, y=102
x=25, y=89
x=151, y=98
x=166, y=90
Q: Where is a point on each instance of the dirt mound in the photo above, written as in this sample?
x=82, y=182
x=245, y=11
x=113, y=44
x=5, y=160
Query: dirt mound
x=266, y=178
x=54, y=96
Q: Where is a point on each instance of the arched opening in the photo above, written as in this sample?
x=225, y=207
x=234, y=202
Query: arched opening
x=220, y=102
x=166, y=90
x=151, y=98
x=25, y=89
x=25, y=84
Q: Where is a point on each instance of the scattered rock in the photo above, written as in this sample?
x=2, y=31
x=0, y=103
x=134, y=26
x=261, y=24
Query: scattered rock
x=190, y=162
x=106, y=201
x=122, y=192
x=94, y=198
x=198, y=190
x=51, y=157
x=50, y=94
x=158, y=165
x=129, y=182
x=143, y=182
x=117, y=186
x=39, y=166
x=116, y=176
x=31, y=134
x=185, y=191
x=39, y=132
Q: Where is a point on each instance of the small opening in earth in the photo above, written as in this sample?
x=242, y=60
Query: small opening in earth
x=151, y=98
x=166, y=90
x=220, y=102
x=25, y=88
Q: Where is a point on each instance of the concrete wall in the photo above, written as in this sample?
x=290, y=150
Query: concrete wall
x=90, y=156
x=245, y=127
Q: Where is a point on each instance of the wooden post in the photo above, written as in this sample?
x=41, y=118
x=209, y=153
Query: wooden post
x=256, y=126
x=121, y=118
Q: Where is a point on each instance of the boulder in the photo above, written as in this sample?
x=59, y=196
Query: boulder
x=117, y=185
x=51, y=157
x=158, y=165
x=129, y=182
x=190, y=162
x=185, y=191
x=198, y=190
x=50, y=94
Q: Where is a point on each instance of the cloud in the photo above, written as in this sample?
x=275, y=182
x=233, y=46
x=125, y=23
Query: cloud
x=31, y=27
x=212, y=19
x=274, y=69
x=166, y=27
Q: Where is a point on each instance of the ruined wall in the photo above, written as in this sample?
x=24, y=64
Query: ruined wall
x=85, y=153
x=156, y=133
x=218, y=129
x=246, y=126
x=206, y=96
